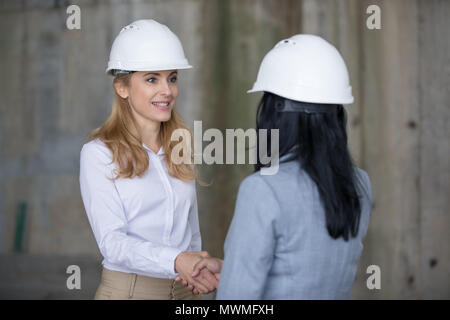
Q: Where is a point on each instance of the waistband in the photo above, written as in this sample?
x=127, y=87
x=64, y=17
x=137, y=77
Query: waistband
x=131, y=281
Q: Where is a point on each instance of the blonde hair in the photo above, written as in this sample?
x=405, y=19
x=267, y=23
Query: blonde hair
x=120, y=135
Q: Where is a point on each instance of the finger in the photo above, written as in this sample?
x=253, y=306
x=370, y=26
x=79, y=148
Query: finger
x=215, y=265
x=199, y=290
x=217, y=275
x=198, y=266
x=205, y=254
x=185, y=283
x=209, y=280
x=196, y=272
x=199, y=285
x=204, y=286
x=177, y=278
x=189, y=287
x=203, y=291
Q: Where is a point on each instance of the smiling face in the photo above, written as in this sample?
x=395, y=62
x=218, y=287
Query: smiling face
x=151, y=95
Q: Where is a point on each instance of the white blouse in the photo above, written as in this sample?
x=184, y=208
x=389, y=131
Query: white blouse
x=140, y=224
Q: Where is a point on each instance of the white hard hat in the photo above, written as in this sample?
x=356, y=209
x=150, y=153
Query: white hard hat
x=305, y=68
x=146, y=45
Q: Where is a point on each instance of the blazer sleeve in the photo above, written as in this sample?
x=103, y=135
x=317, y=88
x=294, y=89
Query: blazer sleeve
x=107, y=218
x=250, y=243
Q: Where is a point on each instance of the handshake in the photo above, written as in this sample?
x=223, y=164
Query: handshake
x=199, y=271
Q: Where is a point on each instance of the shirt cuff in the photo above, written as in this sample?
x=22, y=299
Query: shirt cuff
x=168, y=256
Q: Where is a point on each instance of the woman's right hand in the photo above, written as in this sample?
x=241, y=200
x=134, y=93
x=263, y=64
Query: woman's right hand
x=184, y=265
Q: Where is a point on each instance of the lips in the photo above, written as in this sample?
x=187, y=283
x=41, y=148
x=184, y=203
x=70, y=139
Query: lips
x=161, y=105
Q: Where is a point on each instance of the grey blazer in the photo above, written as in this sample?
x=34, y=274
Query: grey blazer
x=278, y=247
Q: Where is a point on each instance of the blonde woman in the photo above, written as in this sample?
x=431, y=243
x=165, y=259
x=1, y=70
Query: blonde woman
x=141, y=206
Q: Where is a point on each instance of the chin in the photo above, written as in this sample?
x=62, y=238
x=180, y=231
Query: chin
x=165, y=118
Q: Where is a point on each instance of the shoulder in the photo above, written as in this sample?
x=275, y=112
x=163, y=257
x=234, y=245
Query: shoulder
x=288, y=173
x=95, y=148
x=252, y=182
x=363, y=180
x=95, y=152
x=363, y=175
x=256, y=203
x=258, y=188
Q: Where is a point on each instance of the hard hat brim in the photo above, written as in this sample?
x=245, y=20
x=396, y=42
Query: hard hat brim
x=149, y=68
x=304, y=98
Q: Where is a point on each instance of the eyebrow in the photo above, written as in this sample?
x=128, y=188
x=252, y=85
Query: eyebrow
x=157, y=74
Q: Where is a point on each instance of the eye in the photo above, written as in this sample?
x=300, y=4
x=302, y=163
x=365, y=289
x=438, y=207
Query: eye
x=151, y=80
x=173, y=79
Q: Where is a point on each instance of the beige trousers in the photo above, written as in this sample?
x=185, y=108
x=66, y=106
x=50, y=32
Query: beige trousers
x=117, y=285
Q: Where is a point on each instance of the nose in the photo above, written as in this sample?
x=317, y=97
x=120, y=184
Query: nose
x=165, y=88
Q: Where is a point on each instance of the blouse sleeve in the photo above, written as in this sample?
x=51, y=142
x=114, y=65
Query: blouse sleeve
x=108, y=221
x=250, y=242
x=196, y=241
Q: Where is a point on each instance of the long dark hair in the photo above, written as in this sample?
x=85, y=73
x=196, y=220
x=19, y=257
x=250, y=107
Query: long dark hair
x=318, y=141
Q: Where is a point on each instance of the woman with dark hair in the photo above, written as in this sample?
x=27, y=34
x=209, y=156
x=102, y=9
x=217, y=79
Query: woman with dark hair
x=297, y=234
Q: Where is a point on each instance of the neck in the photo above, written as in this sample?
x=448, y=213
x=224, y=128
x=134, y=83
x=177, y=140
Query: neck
x=150, y=135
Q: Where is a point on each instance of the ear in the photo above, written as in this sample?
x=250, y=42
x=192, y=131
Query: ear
x=121, y=89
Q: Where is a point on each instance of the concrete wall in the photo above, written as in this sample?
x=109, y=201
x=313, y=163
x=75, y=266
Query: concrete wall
x=55, y=91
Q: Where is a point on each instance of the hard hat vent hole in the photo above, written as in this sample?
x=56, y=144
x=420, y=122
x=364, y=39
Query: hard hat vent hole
x=288, y=41
x=130, y=27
